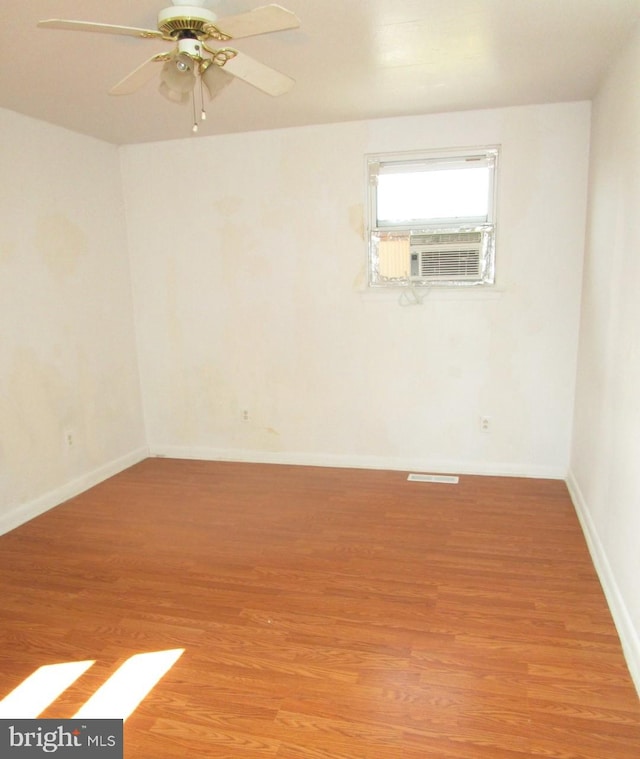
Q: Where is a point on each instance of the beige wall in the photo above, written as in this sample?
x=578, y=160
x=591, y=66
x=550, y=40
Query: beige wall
x=67, y=353
x=248, y=261
x=605, y=462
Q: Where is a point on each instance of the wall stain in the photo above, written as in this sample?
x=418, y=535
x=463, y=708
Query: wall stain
x=7, y=251
x=228, y=205
x=61, y=244
x=360, y=280
x=356, y=219
x=31, y=411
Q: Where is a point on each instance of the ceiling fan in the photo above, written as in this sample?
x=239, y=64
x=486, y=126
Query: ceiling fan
x=196, y=33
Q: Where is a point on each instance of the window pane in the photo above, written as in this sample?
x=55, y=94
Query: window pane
x=428, y=195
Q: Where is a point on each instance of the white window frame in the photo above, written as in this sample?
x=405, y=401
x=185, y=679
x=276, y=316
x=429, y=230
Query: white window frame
x=443, y=252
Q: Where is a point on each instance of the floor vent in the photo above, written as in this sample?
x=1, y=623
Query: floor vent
x=448, y=479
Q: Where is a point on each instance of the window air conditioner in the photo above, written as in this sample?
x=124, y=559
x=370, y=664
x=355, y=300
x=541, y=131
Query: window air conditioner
x=446, y=256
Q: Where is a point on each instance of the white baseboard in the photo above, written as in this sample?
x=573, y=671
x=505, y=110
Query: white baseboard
x=356, y=462
x=47, y=501
x=629, y=635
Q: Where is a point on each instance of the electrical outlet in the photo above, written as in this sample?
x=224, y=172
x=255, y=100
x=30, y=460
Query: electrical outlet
x=485, y=424
x=245, y=415
x=69, y=439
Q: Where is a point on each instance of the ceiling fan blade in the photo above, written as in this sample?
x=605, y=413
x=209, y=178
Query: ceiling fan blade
x=257, y=74
x=139, y=76
x=268, y=18
x=89, y=26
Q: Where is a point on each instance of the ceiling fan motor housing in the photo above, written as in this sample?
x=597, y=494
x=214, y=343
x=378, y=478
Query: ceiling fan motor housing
x=176, y=20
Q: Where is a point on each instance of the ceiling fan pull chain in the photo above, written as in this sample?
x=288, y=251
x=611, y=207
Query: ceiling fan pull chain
x=194, y=128
x=203, y=113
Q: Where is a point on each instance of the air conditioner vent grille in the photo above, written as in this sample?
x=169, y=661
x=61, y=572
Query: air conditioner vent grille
x=447, y=256
x=447, y=238
x=449, y=264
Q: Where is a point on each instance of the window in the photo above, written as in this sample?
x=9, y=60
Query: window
x=432, y=218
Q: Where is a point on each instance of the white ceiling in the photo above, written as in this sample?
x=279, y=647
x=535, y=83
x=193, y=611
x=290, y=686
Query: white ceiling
x=352, y=59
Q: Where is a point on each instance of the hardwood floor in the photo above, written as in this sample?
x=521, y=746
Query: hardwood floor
x=325, y=614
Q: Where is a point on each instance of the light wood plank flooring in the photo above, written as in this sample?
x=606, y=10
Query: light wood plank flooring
x=325, y=614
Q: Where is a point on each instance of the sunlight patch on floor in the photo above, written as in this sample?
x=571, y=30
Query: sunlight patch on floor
x=40, y=689
x=117, y=698
x=129, y=684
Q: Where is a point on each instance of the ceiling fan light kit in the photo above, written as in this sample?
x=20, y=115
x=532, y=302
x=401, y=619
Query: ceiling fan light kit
x=189, y=26
x=214, y=78
x=177, y=74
